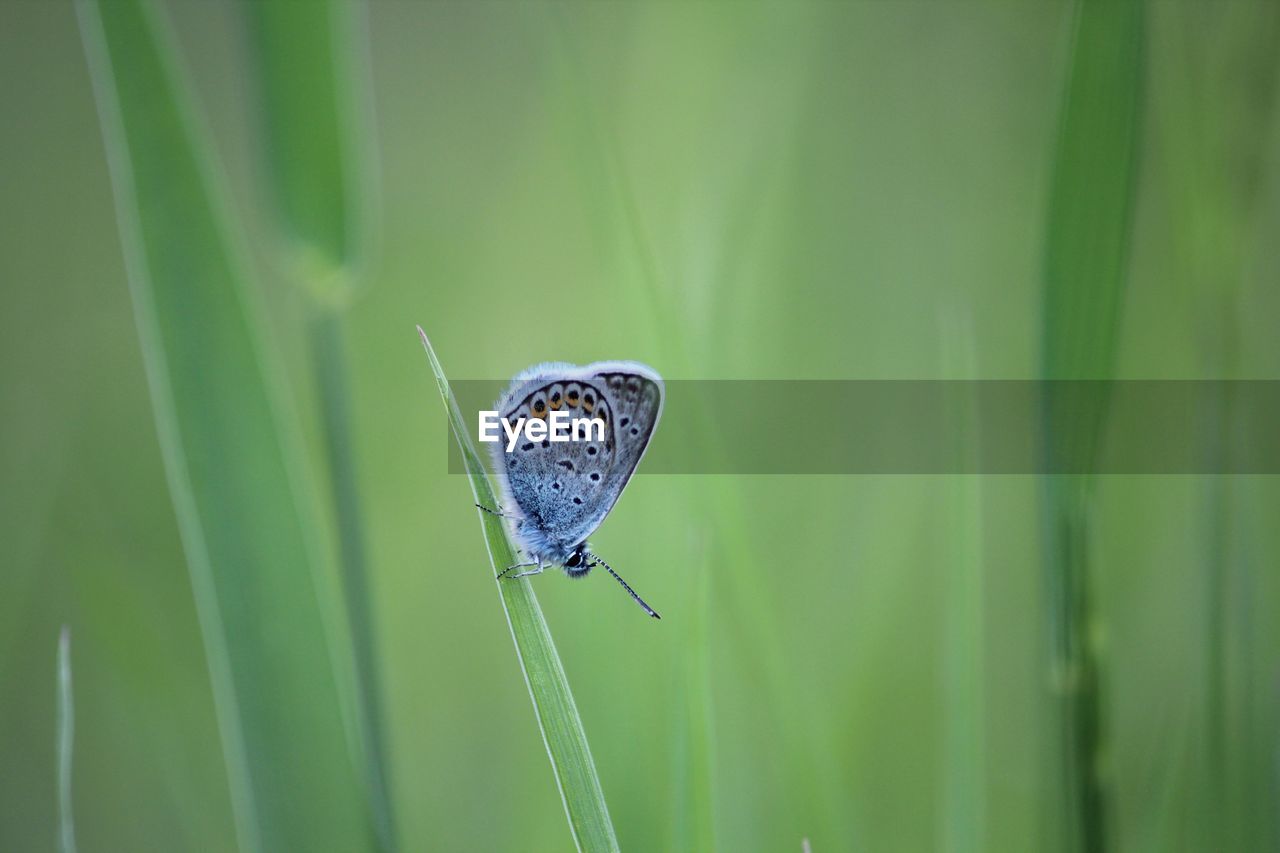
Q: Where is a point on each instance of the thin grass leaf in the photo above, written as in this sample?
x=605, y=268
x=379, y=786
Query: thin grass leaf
x=311, y=143
x=232, y=465
x=963, y=828
x=553, y=704
x=66, y=739
x=693, y=794
x=1086, y=257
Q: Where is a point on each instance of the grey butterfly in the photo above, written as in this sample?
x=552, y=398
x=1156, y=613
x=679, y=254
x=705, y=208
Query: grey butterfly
x=556, y=493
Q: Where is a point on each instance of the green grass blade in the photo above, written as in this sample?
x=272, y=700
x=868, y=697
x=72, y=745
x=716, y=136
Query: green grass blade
x=307, y=63
x=66, y=738
x=230, y=464
x=1091, y=197
x=309, y=113
x=1086, y=258
x=562, y=731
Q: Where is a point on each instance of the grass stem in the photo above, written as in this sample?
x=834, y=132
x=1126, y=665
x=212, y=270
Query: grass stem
x=328, y=358
x=66, y=739
x=1088, y=236
x=557, y=714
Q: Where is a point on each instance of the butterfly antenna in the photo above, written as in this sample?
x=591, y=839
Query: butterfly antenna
x=626, y=586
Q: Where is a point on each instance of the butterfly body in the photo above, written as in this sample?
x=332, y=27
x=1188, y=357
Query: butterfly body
x=556, y=493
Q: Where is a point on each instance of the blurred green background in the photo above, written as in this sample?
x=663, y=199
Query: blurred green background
x=721, y=190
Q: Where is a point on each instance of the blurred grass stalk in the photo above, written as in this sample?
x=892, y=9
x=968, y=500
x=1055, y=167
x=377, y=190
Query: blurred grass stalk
x=1215, y=166
x=963, y=828
x=558, y=719
x=693, y=791
x=233, y=467
x=311, y=87
x=66, y=740
x=623, y=235
x=1085, y=269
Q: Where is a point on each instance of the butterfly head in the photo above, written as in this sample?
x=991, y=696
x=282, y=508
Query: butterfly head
x=579, y=562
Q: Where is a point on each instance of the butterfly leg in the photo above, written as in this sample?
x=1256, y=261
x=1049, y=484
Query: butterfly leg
x=508, y=569
x=498, y=513
x=536, y=571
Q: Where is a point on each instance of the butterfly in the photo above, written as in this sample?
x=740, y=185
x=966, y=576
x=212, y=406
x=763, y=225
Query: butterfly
x=556, y=493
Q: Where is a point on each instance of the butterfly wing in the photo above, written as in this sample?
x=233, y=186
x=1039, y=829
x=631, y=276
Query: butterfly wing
x=564, y=490
x=634, y=394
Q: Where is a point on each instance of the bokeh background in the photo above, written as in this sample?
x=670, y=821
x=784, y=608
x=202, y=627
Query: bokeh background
x=721, y=190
